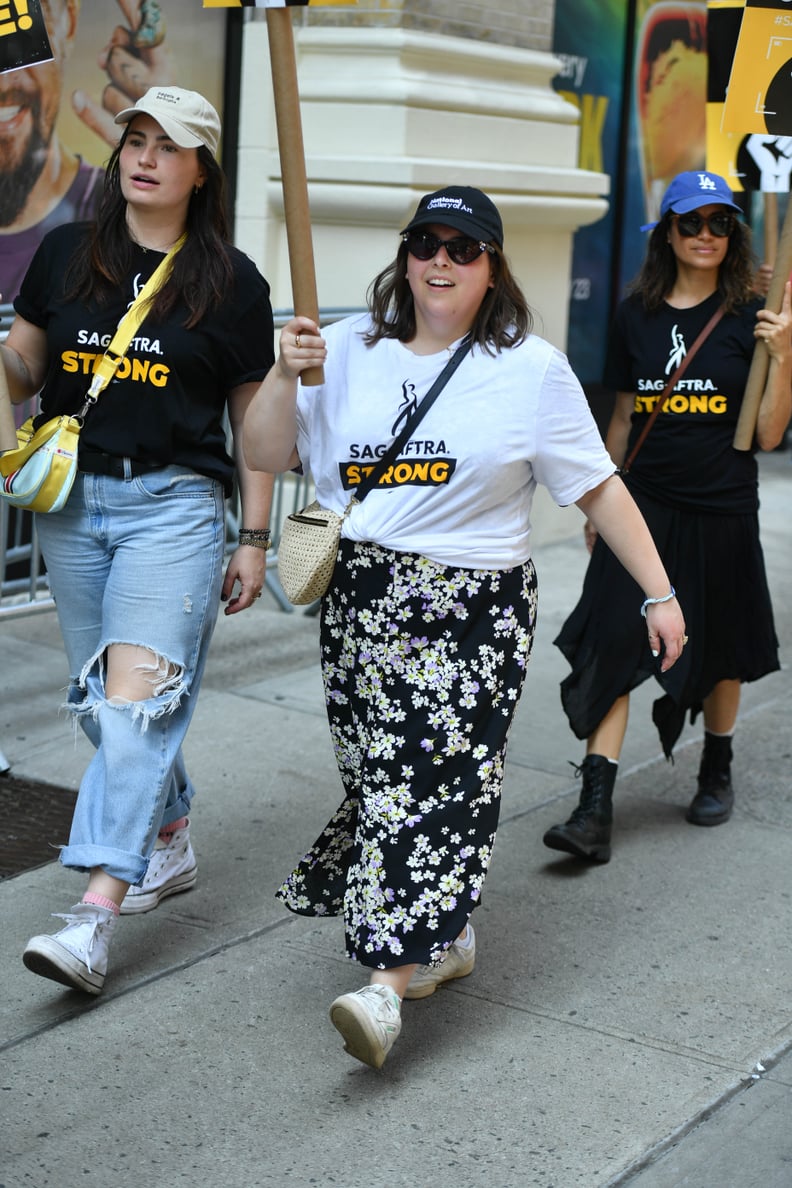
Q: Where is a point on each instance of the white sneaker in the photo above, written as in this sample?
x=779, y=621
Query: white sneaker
x=369, y=1021
x=172, y=868
x=77, y=955
x=457, y=963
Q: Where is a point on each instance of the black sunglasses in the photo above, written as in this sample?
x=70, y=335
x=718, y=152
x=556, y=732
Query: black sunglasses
x=461, y=249
x=721, y=224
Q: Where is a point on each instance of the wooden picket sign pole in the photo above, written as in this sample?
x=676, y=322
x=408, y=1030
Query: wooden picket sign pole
x=770, y=227
x=293, y=175
x=757, y=375
x=8, y=437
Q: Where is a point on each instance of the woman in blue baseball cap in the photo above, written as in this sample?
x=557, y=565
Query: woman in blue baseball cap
x=697, y=493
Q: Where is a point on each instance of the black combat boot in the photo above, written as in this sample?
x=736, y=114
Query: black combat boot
x=587, y=833
x=713, y=803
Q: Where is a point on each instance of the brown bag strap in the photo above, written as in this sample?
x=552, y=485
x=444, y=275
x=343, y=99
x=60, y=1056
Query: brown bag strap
x=668, y=389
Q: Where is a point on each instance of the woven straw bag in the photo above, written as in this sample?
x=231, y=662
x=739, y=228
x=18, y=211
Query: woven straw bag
x=307, y=552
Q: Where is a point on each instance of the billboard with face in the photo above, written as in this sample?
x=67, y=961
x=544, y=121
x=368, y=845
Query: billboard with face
x=56, y=118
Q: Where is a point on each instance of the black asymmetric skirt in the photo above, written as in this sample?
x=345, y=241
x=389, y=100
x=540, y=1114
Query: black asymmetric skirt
x=716, y=566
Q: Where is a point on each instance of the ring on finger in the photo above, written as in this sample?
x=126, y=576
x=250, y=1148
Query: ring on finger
x=297, y=341
x=684, y=640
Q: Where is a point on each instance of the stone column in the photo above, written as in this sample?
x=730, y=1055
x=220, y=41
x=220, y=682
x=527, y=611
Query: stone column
x=389, y=114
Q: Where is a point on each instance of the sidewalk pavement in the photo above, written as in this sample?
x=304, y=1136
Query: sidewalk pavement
x=626, y=1024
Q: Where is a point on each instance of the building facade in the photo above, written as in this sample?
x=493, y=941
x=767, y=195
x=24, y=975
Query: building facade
x=398, y=99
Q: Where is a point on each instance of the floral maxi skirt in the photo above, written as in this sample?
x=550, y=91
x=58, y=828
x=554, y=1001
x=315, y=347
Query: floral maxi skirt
x=423, y=665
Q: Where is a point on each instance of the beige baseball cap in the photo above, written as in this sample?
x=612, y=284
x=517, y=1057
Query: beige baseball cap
x=188, y=118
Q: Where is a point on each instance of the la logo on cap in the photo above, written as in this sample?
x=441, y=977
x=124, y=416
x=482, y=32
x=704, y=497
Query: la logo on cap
x=706, y=182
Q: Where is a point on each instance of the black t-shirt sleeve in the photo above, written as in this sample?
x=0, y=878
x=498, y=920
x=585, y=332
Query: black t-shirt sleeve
x=250, y=346
x=44, y=279
x=28, y=302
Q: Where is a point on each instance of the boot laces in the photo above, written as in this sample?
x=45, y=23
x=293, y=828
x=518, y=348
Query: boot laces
x=594, y=793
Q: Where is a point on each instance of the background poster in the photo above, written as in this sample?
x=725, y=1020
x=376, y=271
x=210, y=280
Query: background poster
x=759, y=97
x=191, y=55
x=724, y=18
x=749, y=109
x=638, y=71
x=589, y=37
x=667, y=128
x=56, y=126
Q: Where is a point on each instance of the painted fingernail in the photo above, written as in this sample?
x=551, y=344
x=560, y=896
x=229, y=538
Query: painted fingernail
x=655, y=654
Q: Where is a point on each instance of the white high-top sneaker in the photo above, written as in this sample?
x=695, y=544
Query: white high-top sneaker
x=172, y=868
x=77, y=955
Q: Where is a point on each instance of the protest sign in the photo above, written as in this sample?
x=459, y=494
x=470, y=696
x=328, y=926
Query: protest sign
x=23, y=35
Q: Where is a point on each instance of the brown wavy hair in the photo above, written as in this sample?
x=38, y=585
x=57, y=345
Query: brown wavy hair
x=504, y=318
x=202, y=272
x=658, y=273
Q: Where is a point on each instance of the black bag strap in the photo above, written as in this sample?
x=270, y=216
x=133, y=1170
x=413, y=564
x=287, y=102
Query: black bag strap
x=412, y=422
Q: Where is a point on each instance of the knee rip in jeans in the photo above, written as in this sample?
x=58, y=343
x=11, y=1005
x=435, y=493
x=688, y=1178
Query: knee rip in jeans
x=168, y=686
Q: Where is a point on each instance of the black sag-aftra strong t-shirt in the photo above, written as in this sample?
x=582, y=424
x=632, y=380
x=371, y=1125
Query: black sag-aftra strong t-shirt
x=167, y=401
x=688, y=458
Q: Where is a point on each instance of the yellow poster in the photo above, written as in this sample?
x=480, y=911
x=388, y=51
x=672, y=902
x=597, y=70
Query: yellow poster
x=724, y=18
x=759, y=97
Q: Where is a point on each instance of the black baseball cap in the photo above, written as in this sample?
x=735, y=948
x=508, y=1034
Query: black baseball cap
x=462, y=207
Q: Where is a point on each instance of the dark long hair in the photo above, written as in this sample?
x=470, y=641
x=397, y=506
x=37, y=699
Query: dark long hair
x=503, y=319
x=202, y=272
x=658, y=273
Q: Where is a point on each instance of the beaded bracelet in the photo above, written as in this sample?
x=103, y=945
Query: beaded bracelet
x=654, y=601
x=259, y=538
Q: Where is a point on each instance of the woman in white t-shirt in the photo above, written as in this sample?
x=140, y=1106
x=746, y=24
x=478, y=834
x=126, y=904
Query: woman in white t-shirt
x=429, y=619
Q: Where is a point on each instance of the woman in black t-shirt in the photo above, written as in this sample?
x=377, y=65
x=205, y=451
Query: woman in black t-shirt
x=135, y=557
x=698, y=495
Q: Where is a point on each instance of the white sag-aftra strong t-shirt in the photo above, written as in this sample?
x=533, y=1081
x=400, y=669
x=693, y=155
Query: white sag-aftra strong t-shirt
x=461, y=490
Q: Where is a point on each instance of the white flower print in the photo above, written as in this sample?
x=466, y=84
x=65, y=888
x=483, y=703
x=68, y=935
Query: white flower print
x=422, y=667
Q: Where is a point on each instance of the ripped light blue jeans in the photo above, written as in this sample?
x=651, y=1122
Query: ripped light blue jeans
x=134, y=561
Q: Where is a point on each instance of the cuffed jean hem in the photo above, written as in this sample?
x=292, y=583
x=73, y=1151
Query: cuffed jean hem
x=130, y=868
x=175, y=811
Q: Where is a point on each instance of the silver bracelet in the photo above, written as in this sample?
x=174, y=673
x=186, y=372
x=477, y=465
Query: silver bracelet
x=654, y=601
